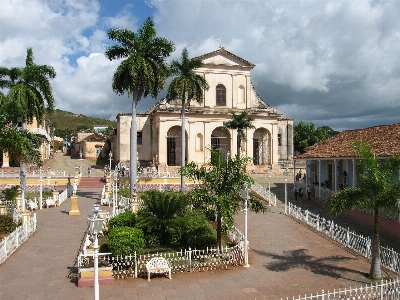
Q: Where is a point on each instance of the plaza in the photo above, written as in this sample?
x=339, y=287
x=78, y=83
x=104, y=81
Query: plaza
x=286, y=259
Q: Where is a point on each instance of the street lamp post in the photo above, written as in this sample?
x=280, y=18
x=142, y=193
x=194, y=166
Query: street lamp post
x=286, y=174
x=269, y=185
x=245, y=195
x=115, y=190
x=96, y=228
x=41, y=189
x=23, y=186
x=80, y=156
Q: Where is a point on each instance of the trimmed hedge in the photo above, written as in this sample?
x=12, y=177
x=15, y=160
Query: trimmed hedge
x=125, y=240
x=125, y=219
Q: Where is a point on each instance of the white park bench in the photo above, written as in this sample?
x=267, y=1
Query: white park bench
x=32, y=205
x=105, y=200
x=50, y=202
x=158, y=265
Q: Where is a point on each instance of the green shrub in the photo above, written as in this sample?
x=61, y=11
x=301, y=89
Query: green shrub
x=159, y=218
x=124, y=192
x=196, y=232
x=7, y=224
x=10, y=193
x=45, y=194
x=125, y=219
x=202, y=237
x=125, y=240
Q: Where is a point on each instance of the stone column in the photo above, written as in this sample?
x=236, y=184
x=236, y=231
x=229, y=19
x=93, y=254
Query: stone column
x=134, y=203
x=3, y=209
x=26, y=216
x=74, y=206
x=6, y=160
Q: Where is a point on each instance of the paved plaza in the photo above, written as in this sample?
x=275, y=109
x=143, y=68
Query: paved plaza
x=286, y=260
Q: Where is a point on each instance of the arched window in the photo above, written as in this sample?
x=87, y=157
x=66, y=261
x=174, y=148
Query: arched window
x=220, y=95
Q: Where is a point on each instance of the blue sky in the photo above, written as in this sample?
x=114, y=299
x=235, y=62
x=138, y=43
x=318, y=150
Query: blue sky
x=335, y=63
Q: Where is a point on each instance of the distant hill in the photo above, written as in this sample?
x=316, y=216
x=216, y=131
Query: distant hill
x=66, y=123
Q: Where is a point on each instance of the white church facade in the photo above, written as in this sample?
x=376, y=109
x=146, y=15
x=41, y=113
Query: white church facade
x=231, y=89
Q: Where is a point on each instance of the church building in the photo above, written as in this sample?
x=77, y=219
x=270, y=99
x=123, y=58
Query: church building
x=159, y=129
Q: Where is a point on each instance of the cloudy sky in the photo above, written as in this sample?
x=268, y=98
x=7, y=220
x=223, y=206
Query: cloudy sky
x=334, y=63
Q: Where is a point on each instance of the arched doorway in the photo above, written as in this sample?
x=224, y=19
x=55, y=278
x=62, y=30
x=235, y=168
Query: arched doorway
x=174, y=145
x=220, y=140
x=261, y=147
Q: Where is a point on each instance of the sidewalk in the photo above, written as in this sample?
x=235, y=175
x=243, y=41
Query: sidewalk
x=286, y=260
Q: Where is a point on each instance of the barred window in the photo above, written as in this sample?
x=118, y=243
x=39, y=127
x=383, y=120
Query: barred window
x=220, y=95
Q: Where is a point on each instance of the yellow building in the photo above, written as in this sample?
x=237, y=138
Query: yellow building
x=43, y=130
x=229, y=78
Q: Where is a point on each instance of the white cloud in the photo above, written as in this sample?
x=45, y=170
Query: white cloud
x=333, y=62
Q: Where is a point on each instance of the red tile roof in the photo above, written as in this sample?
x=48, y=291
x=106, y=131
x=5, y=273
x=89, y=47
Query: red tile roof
x=384, y=140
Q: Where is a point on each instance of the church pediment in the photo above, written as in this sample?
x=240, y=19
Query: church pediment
x=222, y=57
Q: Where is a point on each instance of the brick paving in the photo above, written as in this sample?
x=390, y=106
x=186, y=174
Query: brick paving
x=286, y=259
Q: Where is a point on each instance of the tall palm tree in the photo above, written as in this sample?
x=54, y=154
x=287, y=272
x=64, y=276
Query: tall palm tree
x=186, y=86
x=378, y=188
x=30, y=88
x=142, y=72
x=31, y=94
x=239, y=122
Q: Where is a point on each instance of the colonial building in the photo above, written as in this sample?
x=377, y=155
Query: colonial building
x=92, y=145
x=333, y=161
x=43, y=130
x=229, y=78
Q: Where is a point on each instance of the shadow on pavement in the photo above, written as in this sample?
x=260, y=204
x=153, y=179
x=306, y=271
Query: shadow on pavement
x=299, y=258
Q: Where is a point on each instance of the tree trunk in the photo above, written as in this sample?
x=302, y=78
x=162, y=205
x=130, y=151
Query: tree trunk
x=375, y=271
x=219, y=230
x=239, y=141
x=183, y=145
x=22, y=172
x=133, y=152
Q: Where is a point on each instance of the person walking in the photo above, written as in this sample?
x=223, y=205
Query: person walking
x=296, y=192
x=301, y=194
x=89, y=171
x=309, y=192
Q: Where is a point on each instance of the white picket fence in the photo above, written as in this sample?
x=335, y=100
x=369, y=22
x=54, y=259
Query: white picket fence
x=384, y=290
x=15, y=173
x=359, y=243
x=264, y=192
x=11, y=242
x=132, y=266
x=62, y=197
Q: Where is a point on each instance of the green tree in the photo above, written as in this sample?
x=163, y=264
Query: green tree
x=142, y=72
x=84, y=127
x=30, y=94
x=240, y=122
x=29, y=88
x=306, y=135
x=160, y=216
x=378, y=188
x=186, y=86
x=221, y=184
